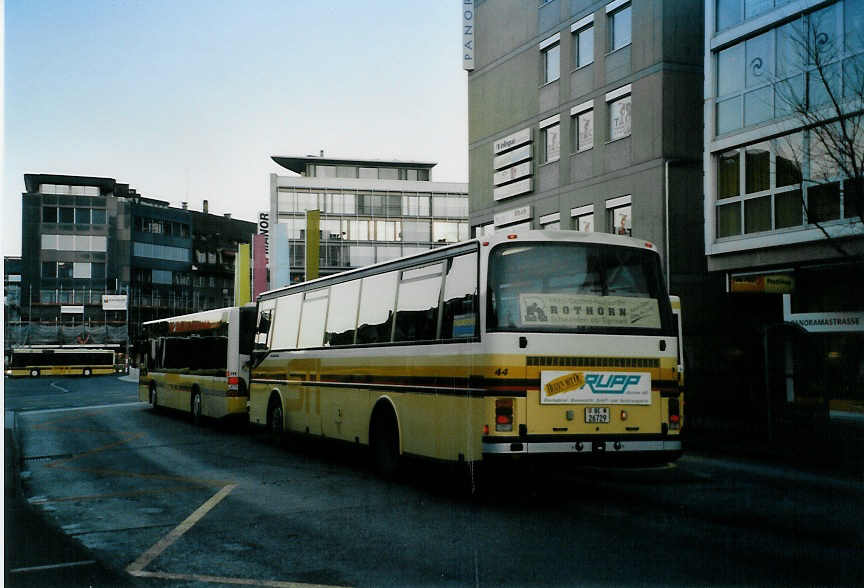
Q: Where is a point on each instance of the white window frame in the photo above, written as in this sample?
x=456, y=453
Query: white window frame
x=580, y=211
x=545, y=47
x=576, y=29
x=611, y=10
x=545, y=125
x=575, y=113
x=613, y=97
x=613, y=204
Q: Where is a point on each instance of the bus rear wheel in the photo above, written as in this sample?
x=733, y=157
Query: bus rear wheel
x=86, y=371
x=384, y=444
x=275, y=421
x=34, y=373
x=196, y=407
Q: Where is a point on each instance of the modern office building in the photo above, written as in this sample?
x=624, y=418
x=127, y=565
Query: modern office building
x=584, y=115
x=370, y=211
x=781, y=232
x=85, y=237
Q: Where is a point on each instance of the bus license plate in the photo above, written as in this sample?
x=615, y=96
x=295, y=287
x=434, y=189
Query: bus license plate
x=596, y=414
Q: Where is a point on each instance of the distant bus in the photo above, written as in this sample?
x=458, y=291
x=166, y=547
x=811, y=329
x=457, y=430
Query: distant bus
x=198, y=363
x=61, y=360
x=538, y=343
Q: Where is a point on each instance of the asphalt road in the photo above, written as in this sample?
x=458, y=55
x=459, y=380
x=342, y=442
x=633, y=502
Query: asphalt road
x=169, y=503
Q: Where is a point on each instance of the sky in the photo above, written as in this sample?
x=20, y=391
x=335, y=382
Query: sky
x=186, y=100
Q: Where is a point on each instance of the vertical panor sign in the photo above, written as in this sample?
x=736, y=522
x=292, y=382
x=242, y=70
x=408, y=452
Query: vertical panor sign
x=264, y=230
x=468, y=35
x=242, y=293
x=313, y=239
x=259, y=265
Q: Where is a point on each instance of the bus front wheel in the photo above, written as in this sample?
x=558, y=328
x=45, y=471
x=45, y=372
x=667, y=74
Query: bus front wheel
x=384, y=443
x=196, y=407
x=153, y=405
x=275, y=421
x=86, y=371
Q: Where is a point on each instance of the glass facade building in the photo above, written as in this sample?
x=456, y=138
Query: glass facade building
x=370, y=211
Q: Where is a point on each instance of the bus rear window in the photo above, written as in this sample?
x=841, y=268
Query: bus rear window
x=576, y=287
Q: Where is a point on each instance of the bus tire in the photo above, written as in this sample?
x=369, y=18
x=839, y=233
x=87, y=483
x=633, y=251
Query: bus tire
x=196, y=406
x=384, y=442
x=154, y=406
x=34, y=373
x=86, y=371
x=275, y=420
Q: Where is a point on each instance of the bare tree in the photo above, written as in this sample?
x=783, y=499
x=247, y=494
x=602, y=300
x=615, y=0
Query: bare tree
x=827, y=99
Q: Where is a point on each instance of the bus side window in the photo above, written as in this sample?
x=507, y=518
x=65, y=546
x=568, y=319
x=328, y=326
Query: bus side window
x=263, y=329
x=417, y=306
x=460, y=320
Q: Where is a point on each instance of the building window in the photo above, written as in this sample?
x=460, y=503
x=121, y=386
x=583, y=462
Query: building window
x=82, y=216
x=619, y=216
x=583, y=218
x=81, y=270
x=98, y=216
x=550, y=54
x=784, y=183
x=619, y=103
x=64, y=269
x=49, y=214
x=49, y=269
x=97, y=271
x=550, y=139
x=583, y=41
x=487, y=229
x=551, y=222
x=582, y=117
x=67, y=215
x=619, y=24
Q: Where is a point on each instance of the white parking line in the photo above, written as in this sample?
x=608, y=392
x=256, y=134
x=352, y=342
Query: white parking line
x=52, y=566
x=61, y=388
x=74, y=408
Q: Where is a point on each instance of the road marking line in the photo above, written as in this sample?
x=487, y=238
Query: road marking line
x=148, y=556
x=223, y=580
x=185, y=488
x=52, y=566
x=48, y=410
x=61, y=388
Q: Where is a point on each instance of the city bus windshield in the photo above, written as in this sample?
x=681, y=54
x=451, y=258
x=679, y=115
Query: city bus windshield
x=576, y=288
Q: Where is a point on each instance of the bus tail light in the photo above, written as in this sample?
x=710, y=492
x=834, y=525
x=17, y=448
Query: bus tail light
x=233, y=384
x=504, y=415
x=674, y=414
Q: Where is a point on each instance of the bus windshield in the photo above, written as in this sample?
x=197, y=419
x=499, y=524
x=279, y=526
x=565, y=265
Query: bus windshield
x=576, y=288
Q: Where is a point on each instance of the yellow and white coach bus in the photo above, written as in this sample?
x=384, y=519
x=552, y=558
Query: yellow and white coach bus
x=511, y=345
x=198, y=363
x=62, y=360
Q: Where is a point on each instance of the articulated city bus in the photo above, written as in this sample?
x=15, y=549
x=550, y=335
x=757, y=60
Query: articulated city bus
x=528, y=344
x=62, y=360
x=198, y=363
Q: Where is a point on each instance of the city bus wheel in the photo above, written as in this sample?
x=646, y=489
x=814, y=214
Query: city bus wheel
x=275, y=421
x=196, y=407
x=34, y=373
x=153, y=405
x=86, y=371
x=385, y=445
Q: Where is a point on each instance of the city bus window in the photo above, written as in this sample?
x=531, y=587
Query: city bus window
x=417, y=309
x=287, y=322
x=377, y=299
x=312, y=319
x=262, y=332
x=341, y=319
x=459, y=318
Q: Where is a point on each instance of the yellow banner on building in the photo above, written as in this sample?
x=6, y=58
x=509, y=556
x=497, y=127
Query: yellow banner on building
x=313, y=243
x=242, y=275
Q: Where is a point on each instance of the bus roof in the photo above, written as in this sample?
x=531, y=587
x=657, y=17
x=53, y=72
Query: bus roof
x=216, y=316
x=501, y=236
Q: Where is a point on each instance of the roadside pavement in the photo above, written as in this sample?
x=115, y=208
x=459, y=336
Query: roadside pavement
x=37, y=552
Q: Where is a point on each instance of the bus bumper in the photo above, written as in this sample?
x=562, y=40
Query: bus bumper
x=589, y=445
